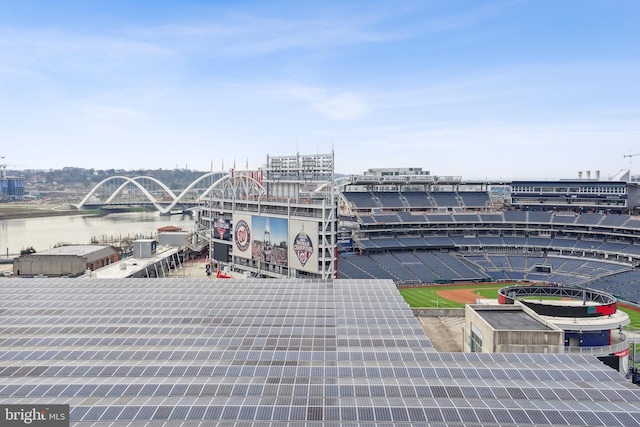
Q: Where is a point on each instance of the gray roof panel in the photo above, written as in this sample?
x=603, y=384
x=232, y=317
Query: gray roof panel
x=198, y=352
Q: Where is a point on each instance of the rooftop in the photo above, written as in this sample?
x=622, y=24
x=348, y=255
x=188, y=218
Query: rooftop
x=77, y=250
x=128, y=266
x=511, y=320
x=198, y=352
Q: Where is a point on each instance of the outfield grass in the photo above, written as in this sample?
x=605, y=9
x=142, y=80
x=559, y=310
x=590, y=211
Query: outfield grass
x=634, y=316
x=424, y=297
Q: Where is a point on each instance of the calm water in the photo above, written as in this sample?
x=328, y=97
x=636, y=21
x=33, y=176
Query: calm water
x=44, y=233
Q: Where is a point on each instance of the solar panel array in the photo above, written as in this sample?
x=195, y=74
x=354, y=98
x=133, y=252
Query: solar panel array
x=198, y=352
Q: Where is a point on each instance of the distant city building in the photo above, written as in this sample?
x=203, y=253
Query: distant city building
x=396, y=172
x=11, y=187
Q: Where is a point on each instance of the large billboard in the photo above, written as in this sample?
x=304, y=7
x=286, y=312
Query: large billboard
x=276, y=241
x=303, y=245
x=269, y=240
x=242, y=235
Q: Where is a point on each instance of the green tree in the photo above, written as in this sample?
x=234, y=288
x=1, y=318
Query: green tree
x=27, y=251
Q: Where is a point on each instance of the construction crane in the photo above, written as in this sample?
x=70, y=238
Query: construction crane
x=630, y=156
x=3, y=168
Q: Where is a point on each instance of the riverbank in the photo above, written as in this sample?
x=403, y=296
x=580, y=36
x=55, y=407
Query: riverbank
x=44, y=231
x=42, y=210
x=36, y=213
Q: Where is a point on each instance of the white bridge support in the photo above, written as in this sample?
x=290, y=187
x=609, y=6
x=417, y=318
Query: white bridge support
x=175, y=200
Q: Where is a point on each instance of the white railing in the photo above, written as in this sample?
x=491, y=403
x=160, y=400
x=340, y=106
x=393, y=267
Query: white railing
x=600, y=350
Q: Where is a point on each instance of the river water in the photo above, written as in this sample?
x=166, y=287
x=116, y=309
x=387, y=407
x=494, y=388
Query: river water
x=45, y=233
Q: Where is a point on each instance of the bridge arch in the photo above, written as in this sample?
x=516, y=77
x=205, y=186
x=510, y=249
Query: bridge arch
x=127, y=181
x=236, y=187
x=139, y=178
x=146, y=193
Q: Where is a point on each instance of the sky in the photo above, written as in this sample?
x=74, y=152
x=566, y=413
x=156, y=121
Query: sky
x=505, y=89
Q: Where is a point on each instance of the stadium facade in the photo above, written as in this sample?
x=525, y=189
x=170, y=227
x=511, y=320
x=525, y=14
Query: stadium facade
x=278, y=221
x=412, y=227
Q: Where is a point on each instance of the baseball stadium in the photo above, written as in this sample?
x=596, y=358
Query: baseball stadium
x=462, y=239
x=424, y=231
x=340, y=295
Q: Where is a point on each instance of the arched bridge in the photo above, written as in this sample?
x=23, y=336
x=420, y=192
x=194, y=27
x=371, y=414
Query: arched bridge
x=123, y=191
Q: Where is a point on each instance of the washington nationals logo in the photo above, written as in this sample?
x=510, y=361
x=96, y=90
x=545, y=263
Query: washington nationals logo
x=303, y=247
x=242, y=234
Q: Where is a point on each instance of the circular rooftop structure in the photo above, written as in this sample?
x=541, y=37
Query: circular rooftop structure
x=572, y=309
x=559, y=301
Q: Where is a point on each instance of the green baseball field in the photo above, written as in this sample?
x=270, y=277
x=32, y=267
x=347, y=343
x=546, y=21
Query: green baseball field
x=456, y=296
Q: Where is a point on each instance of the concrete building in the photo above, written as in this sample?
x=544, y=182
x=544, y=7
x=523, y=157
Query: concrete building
x=174, y=238
x=144, y=248
x=69, y=260
x=509, y=329
x=589, y=318
x=144, y=263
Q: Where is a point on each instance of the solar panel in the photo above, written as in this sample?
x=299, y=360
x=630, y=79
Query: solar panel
x=285, y=352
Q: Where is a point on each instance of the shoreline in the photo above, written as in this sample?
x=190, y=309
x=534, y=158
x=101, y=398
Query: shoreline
x=22, y=211
x=6, y=215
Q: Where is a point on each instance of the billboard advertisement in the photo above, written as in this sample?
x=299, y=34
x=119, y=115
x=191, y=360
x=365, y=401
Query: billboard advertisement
x=269, y=240
x=303, y=245
x=221, y=229
x=242, y=235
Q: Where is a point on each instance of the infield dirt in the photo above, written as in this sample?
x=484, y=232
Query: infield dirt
x=464, y=296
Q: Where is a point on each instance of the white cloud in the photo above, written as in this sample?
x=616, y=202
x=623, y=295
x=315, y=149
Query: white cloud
x=332, y=104
x=111, y=113
x=59, y=45
x=342, y=106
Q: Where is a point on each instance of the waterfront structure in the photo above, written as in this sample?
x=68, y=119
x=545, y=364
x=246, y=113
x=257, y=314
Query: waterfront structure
x=70, y=260
x=277, y=221
x=149, y=260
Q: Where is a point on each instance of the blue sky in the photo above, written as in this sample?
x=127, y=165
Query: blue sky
x=495, y=89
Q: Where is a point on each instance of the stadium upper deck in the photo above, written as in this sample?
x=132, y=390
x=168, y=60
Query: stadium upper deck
x=411, y=189
x=424, y=211
x=422, y=229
